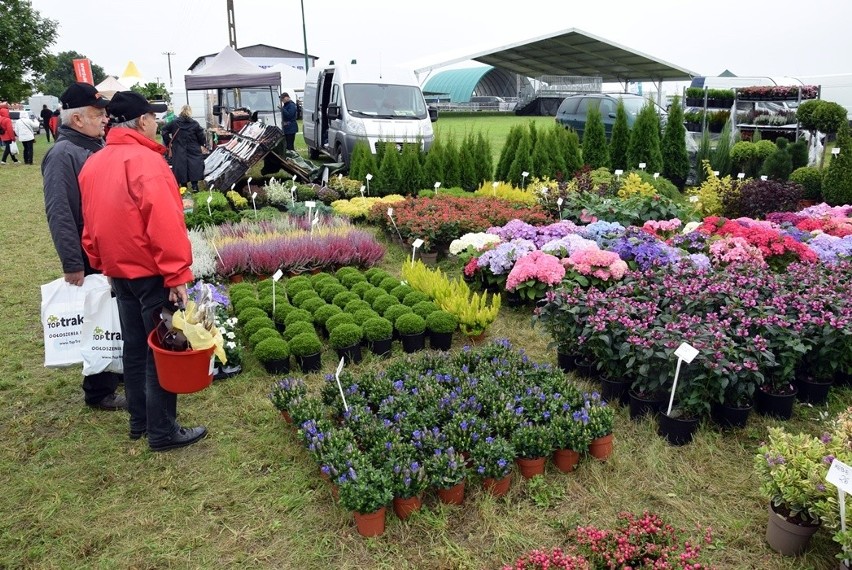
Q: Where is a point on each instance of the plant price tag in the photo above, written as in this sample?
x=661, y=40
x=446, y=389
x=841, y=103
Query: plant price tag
x=278, y=275
x=716, y=173
x=249, y=181
x=618, y=172
x=686, y=352
x=310, y=204
x=835, y=150
x=390, y=212
x=339, y=385
x=642, y=165
x=840, y=475
x=234, y=185
x=656, y=175
x=559, y=201
x=209, y=211
x=741, y=175
x=253, y=196
x=417, y=243
x=764, y=178
x=369, y=176
x=362, y=190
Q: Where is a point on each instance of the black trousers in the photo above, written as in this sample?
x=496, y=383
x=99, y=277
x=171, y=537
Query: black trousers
x=7, y=152
x=28, y=151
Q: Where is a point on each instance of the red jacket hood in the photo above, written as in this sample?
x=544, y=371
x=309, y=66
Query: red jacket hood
x=4, y=112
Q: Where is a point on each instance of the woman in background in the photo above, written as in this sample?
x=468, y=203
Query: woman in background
x=186, y=141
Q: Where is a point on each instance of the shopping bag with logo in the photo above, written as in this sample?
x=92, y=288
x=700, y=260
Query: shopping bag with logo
x=102, y=345
x=62, y=319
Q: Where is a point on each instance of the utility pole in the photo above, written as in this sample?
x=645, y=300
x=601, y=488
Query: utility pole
x=232, y=25
x=169, y=55
x=305, y=37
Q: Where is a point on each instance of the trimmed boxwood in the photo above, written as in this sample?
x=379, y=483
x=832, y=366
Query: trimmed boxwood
x=297, y=328
x=257, y=323
x=266, y=302
x=302, y=296
x=344, y=271
x=337, y=320
x=273, y=348
x=395, y=311
x=389, y=284
x=378, y=277
x=372, y=271
x=410, y=324
x=240, y=289
x=331, y=290
x=344, y=297
x=345, y=335
x=317, y=277
x=298, y=315
x=264, y=286
x=361, y=287
x=377, y=329
x=415, y=297
x=364, y=315
x=351, y=279
x=262, y=334
x=373, y=294
x=281, y=312
x=245, y=304
x=329, y=279
x=401, y=291
x=381, y=304
x=442, y=322
x=312, y=305
x=298, y=283
x=322, y=314
x=424, y=308
x=305, y=344
x=356, y=305
x=248, y=314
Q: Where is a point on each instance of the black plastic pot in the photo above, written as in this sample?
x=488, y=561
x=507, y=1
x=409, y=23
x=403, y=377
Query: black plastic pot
x=440, y=341
x=677, y=431
x=413, y=342
x=813, y=392
x=310, y=363
x=381, y=347
x=566, y=362
x=641, y=405
x=352, y=354
x=615, y=390
x=281, y=366
x=775, y=405
x=729, y=417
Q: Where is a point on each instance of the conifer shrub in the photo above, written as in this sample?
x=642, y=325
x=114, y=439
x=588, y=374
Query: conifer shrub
x=299, y=327
x=250, y=313
x=381, y=304
x=312, y=305
x=298, y=315
x=393, y=312
x=673, y=147
x=302, y=296
x=345, y=335
x=810, y=179
x=433, y=166
x=361, y=287
x=337, y=320
x=272, y=349
x=362, y=162
x=388, y=179
x=344, y=297
x=256, y=324
x=620, y=140
x=305, y=344
x=522, y=160
x=262, y=334
x=410, y=323
x=442, y=322
x=451, y=167
x=376, y=329
x=779, y=164
x=325, y=312
x=595, y=148
x=837, y=183
x=644, y=145
x=507, y=153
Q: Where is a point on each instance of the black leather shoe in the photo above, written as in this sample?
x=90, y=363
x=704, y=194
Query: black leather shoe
x=111, y=403
x=181, y=438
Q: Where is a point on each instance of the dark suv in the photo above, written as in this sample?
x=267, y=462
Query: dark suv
x=572, y=112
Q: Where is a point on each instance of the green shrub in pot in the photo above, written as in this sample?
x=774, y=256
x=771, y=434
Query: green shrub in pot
x=262, y=334
x=272, y=349
x=318, y=278
x=345, y=335
x=242, y=304
x=377, y=329
x=378, y=277
x=330, y=291
x=381, y=304
x=298, y=315
x=442, y=322
x=282, y=309
x=352, y=278
x=356, y=305
x=344, y=297
x=410, y=323
x=248, y=314
x=305, y=344
x=393, y=312
x=299, y=298
x=401, y=291
x=364, y=315
x=389, y=284
x=424, y=308
x=361, y=287
x=328, y=310
x=373, y=294
x=256, y=324
x=336, y=320
x=297, y=328
x=313, y=304
x=415, y=297
x=296, y=284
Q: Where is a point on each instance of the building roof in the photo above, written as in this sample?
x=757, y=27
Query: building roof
x=575, y=52
x=257, y=50
x=457, y=83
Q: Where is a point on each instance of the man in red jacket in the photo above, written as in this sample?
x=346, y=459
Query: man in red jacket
x=133, y=231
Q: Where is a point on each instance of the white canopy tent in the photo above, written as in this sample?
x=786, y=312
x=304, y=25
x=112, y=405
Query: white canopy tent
x=110, y=86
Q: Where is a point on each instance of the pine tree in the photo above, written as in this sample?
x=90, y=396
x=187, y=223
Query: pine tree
x=557, y=155
x=620, y=139
x=645, y=141
x=569, y=145
x=433, y=167
x=704, y=152
x=410, y=170
x=779, y=164
x=675, y=157
x=837, y=184
x=388, y=178
x=522, y=162
x=452, y=166
x=484, y=159
x=595, y=148
x=542, y=165
x=507, y=154
x=362, y=161
x=467, y=164
x=720, y=158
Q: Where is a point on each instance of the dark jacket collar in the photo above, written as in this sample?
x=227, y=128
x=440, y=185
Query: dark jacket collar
x=79, y=139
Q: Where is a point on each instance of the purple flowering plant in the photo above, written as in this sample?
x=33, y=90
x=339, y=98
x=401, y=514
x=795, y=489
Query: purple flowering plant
x=407, y=470
x=492, y=457
x=445, y=467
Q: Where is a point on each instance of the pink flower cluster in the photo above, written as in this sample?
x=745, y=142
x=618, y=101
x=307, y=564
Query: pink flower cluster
x=736, y=250
x=662, y=228
x=604, y=265
x=538, y=266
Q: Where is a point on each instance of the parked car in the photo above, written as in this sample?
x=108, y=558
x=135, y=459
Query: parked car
x=573, y=109
x=16, y=114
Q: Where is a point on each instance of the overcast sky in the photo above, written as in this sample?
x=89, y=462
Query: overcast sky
x=783, y=37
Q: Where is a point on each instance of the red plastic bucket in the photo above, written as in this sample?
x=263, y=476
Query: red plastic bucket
x=182, y=372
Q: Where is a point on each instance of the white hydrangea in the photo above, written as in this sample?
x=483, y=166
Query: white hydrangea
x=203, y=256
x=477, y=240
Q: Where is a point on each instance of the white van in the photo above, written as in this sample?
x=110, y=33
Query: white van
x=344, y=104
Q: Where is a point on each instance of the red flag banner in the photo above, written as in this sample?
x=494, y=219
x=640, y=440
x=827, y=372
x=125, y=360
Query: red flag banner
x=83, y=71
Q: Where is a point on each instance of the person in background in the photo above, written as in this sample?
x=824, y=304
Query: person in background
x=25, y=129
x=169, y=116
x=81, y=131
x=289, y=126
x=135, y=232
x=185, y=140
x=53, y=124
x=7, y=134
x=45, y=115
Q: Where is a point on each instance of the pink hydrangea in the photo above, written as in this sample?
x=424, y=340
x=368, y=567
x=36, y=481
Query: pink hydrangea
x=604, y=265
x=538, y=266
x=736, y=250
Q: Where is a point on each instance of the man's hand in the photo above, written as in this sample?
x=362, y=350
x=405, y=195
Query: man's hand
x=75, y=278
x=177, y=295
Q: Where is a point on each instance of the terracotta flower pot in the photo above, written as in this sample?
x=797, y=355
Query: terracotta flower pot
x=497, y=487
x=601, y=447
x=403, y=507
x=286, y=415
x=530, y=466
x=452, y=495
x=566, y=460
x=370, y=524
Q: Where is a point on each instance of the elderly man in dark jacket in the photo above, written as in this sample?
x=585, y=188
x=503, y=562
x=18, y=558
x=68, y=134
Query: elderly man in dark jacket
x=81, y=134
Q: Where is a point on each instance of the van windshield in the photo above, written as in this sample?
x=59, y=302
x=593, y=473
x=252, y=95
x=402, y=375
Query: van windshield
x=384, y=101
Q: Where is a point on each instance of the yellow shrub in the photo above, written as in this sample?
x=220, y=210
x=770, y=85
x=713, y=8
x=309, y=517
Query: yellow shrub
x=360, y=207
x=634, y=186
x=239, y=202
x=506, y=191
x=707, y=198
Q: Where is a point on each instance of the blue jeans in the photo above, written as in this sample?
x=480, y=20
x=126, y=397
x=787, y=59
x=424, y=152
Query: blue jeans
x=151, y=408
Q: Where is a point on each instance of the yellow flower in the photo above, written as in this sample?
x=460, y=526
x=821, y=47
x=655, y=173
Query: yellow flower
x=182, y=190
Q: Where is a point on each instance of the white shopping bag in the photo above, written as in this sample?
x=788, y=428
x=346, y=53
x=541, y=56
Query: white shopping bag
x=102, y=345
x=62, y=319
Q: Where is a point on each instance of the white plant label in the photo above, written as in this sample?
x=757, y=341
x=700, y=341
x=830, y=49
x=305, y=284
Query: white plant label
x=340, y=176
x=310, y=204
x=764, y=178
x=693, y=199
x=209, y=199
x=209, y=211
x=249, y=181
x=544, y=190
x=253, y=196
x=278, y=275
x=294, y=178
x=417, y=243
x=437, y=185
x=362, y=190
x=840, y=475
x=715, y=173
x=390, y=212
x=642, y=165
x=835, y=150
x=369, y=176
x=559, y=201
x=234, y=185
x=687, y=352
x=339, y=385
x=656, y=175
x=618, y=172
x=495, y=185
x=741, y=175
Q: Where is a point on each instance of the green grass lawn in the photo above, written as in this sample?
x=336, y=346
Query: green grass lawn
x=77, y=493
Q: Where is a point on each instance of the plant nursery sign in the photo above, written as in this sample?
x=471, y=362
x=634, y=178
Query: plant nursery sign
x=840, y=475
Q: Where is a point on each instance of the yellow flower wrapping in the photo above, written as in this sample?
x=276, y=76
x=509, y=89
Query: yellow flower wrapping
x=199, y=333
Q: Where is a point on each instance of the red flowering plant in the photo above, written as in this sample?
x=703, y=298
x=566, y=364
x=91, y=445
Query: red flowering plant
x=778, y=249
x=645, y=541
x=533, y=274
x=838, y=227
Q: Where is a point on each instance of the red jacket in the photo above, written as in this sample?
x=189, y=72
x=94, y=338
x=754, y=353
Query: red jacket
x=7, y=126
x=133, y=222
